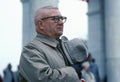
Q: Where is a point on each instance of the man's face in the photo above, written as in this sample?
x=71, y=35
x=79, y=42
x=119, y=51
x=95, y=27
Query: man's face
x=52, y=28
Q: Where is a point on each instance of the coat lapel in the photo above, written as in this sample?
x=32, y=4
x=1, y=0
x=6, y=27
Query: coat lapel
x=63, y=43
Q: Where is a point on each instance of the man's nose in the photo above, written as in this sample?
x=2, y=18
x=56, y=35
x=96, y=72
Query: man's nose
x=61, y=21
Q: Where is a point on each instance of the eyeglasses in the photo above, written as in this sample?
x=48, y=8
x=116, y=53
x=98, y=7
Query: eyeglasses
x=56, y=19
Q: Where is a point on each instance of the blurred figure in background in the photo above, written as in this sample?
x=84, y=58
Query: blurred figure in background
x=93, y=67
x=86, y=73
x=8, y=74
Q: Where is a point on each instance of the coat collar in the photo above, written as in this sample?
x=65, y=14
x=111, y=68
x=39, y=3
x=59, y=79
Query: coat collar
x=53, y=43
x=47, y=40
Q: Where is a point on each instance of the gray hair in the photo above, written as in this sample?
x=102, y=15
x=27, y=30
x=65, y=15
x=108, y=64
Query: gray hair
x=39, y=13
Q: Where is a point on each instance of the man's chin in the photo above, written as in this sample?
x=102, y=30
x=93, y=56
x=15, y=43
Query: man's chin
x=59, y=34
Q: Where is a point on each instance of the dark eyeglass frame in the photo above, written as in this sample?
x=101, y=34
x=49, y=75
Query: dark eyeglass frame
x=56, y=19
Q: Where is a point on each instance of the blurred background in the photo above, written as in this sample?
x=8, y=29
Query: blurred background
x=10, y=33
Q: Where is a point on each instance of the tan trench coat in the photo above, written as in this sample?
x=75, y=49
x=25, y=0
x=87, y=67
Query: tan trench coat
x=41, y=62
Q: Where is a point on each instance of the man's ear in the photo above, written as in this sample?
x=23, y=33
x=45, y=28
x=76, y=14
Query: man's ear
x=40, y=24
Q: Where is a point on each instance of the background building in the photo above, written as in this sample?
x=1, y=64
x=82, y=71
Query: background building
x=103, y=25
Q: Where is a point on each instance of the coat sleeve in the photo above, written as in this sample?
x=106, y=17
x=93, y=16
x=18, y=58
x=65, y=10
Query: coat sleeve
x=35, y=68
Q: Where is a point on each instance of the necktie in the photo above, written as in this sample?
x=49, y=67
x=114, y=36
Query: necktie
x=59, y=47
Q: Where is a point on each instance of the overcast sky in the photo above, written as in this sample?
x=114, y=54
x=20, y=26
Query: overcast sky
x=11, y=27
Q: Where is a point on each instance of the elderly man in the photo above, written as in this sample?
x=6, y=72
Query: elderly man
x=44, y=59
